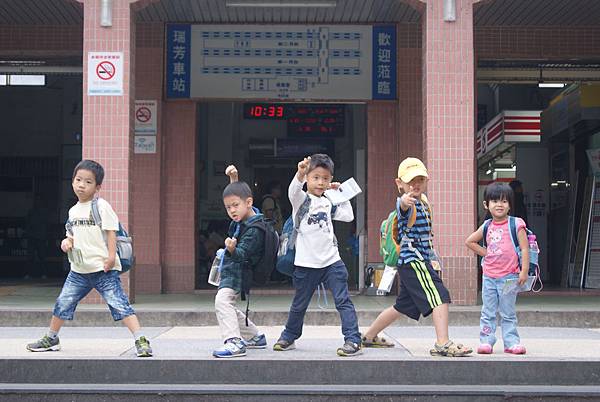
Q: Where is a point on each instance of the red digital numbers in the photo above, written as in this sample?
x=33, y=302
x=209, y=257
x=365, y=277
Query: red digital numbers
x=264, y=111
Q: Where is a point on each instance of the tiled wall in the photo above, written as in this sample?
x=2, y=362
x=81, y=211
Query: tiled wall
x=147, y=168
x=448, y=127
x=107, y=120
x=178, y=206
x=394, y=133
x=537, y=43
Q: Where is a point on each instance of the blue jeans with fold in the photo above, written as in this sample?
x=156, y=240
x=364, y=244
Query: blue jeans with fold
x=494, y=301
x=306, y=280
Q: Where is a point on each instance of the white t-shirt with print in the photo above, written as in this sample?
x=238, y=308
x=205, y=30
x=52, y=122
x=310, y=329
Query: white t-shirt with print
x=88, y=237
x=315, y=245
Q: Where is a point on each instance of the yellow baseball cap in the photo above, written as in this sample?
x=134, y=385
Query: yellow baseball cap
x=410, y=168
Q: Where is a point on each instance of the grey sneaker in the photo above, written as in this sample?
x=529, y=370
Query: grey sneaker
x=142, y=347
x=349, y=349
x=46, y=344
x=256, y=342
x=282, y=345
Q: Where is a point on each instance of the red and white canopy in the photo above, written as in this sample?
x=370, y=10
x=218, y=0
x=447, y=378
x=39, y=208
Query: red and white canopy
x=509, y=126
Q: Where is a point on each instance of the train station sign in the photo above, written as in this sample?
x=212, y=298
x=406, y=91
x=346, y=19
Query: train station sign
x=284, y=62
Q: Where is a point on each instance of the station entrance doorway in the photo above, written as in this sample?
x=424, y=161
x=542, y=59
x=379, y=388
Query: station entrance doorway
x=265, y=141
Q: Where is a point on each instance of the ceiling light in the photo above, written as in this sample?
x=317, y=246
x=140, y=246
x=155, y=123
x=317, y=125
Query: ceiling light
x=509, y=169
x=281, y=4
x=551, y=84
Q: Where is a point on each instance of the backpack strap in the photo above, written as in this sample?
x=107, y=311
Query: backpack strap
x=96, y=212
x=300, y=214
x=512, y=228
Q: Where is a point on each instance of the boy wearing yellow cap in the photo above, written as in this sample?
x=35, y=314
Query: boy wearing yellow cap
x=421, y=290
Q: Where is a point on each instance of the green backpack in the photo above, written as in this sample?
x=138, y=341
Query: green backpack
x=389, y=248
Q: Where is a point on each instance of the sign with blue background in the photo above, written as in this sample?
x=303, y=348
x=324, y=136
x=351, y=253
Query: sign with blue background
x=384, y=62
x=179, y=45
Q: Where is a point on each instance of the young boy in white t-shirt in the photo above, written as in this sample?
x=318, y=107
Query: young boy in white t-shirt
x=317, y=257
x=94, y=262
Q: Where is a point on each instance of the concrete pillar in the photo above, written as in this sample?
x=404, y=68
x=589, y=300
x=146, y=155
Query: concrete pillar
x=108, y=120
x=448, y=135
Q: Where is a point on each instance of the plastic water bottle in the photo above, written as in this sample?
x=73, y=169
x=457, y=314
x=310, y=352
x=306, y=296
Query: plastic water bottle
x=532, y=242
x=214, y=277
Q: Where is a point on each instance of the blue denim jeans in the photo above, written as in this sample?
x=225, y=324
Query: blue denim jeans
x=306, y=280
x=77, y=286
x=496, y=302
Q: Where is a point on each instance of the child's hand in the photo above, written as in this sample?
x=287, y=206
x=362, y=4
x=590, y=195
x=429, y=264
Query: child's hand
x=232, y=172
x=335, y=185
x=66, y=244
x=303, y=168
x=109, y=264
x=523, y=277
x=408, y=200
x=230, y=244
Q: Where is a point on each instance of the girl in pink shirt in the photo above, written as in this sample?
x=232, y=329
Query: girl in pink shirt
x=500, y=263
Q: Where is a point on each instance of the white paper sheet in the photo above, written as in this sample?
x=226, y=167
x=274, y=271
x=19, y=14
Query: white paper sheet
x=347, y=190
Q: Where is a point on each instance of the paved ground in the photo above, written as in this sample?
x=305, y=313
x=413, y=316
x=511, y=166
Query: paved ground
x=318, y=342
x=41, y=295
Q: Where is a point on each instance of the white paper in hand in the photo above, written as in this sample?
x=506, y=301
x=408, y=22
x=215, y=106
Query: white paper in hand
x=347, y=191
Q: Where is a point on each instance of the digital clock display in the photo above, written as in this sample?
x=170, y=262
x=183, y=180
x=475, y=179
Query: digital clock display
x=268, y=111
x=303, y=120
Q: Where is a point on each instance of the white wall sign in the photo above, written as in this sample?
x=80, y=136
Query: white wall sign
x=296, y=62
x=105, y=74
x=145, y=117
x=144, y=144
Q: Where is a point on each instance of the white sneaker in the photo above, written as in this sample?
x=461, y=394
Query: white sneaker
x=231, y=348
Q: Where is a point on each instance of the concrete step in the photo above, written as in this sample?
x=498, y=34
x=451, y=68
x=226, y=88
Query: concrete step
x=260, y=392
x=87, y=316
x=294, y=371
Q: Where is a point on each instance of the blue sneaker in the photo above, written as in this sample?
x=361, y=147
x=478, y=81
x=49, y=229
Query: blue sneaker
x=256, y=342
x=231, y=348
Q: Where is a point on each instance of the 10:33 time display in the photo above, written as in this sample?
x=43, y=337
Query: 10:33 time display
x=268, y=111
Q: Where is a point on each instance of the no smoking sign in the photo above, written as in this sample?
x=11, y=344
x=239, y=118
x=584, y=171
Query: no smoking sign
x=105, y=73
x=145, y=117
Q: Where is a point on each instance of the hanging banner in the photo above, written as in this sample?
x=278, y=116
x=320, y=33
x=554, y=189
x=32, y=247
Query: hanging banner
x=295, y=62
x=105, y=74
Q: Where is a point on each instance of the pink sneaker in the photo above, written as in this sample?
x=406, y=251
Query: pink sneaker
x=516, y=350
x=485, y=349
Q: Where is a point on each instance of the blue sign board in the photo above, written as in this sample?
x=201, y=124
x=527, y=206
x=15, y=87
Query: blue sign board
x=179, y=43
x=384, y=62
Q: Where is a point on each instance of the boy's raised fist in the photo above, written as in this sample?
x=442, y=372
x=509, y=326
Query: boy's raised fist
x=303, y=167
x=232, y=172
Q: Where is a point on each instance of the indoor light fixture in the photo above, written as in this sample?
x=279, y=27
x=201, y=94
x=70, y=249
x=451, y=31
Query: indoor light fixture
x=551, y=84
x=281, y=4
x=509, y=169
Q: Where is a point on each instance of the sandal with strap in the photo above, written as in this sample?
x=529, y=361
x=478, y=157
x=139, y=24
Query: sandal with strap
x=450, y=349
x=377, y=342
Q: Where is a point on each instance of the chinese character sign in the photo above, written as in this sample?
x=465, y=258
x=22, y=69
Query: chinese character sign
x=384, y=62
x=286, y=62
x=178, y=61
